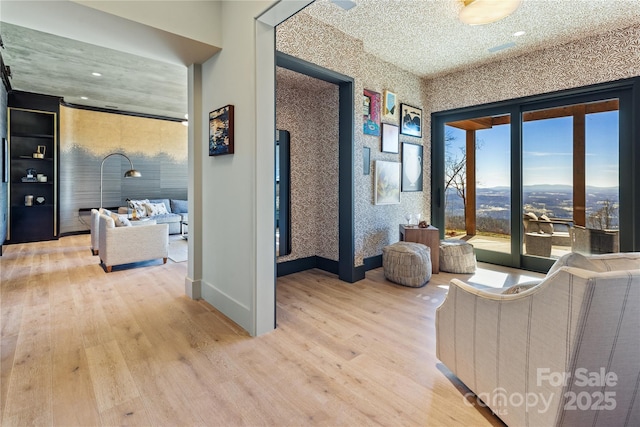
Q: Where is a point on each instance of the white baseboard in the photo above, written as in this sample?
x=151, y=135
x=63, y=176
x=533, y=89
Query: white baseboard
x=231, y=308
x=192, y=288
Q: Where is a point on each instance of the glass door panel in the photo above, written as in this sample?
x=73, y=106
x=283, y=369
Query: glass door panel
x=570, y=179
x=478, y=183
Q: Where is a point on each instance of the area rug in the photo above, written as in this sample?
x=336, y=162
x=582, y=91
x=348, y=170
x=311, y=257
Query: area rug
x=178, y=249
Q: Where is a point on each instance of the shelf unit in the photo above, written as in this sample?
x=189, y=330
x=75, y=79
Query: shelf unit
x=32, y=131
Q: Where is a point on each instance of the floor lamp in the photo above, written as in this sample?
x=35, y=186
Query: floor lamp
x=131, y=173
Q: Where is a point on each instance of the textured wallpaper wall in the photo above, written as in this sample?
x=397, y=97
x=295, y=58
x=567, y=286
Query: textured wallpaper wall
x=376, y=226
x=308, y=109
x=611, y=56
x=157, y=148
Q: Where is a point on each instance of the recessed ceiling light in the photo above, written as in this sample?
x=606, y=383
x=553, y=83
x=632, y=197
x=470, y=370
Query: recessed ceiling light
x=96, y=74
x=83, y=97
x=519, y=33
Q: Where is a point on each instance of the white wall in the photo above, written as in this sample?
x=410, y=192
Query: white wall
x=195, y=19
x=238, y=190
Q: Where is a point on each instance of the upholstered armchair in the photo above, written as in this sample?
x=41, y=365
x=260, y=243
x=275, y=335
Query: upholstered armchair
x=124, y=245
x=545, y=225
x=563, y=352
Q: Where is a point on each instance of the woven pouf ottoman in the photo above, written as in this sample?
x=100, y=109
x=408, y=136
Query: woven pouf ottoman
x=407, y=263
x=457, y=256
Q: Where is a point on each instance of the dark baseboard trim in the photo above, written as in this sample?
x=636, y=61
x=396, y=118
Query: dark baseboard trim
x=75, y=233
x=302, y=264
x=373, y=262
x=325, y=264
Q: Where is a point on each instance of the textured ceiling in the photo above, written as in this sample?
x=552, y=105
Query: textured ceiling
x=426, y=38
x=421, y=36
x=52, y=65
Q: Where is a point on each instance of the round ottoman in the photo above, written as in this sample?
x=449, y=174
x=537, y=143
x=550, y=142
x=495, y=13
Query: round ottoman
x=456, y=256
x=407, y=263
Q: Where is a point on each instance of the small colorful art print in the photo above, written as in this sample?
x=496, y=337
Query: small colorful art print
x=390, y=106
x=410, y=120
x=387, y=183
x=221, y=131
x=371, y=112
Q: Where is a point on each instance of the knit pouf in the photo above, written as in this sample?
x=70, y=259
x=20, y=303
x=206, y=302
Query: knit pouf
x=407, y=263
x=457, y=256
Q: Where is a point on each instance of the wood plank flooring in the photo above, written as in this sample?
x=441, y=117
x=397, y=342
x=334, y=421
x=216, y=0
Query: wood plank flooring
x=80, y=347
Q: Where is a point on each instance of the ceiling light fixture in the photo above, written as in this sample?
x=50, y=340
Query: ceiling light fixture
x=96, y=74
x=480, y=12
x=519, y=33
x=83, y=97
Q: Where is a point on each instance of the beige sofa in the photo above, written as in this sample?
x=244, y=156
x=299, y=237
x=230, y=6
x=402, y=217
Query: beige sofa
x=124, y=245
x=564, y=352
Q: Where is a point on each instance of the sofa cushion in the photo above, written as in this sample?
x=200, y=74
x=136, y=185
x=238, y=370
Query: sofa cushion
x=154, y=209
x=179, y=206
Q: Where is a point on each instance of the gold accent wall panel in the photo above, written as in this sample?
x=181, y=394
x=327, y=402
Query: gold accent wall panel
x=157, y=148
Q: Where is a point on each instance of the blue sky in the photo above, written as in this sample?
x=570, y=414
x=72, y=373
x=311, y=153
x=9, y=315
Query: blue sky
x=547, y=152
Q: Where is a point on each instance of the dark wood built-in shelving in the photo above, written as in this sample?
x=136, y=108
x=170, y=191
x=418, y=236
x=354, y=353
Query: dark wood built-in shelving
x=29, y=129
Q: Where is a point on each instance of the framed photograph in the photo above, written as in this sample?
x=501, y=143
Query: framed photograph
x=371, y=112
x=221, y=131
x=366, y=160
x=387, y=183
x=5, y=160
x=390, y=138
x=389, y=106
x=411, y=167
x=410, y=120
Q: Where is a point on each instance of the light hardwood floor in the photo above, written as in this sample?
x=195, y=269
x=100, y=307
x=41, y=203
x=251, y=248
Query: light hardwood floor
x=82, y=347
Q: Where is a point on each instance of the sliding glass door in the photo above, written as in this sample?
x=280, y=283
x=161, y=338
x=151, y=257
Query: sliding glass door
x=527, y=181
x=570, y=170
x=477, y=183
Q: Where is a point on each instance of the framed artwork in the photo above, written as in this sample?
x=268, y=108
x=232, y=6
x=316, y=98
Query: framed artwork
x=411, y=167
x=387, y=183
x=5, y=160
x=221, y=131
x=371, y=112
x=366, y=160
x=410, y=120
x=389, y=106
x=390, y=138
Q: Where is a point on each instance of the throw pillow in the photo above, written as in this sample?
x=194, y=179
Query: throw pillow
x=516, y=289
x=120, y=220
x=138, y=206
x=154, y=209
x=545, y=224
